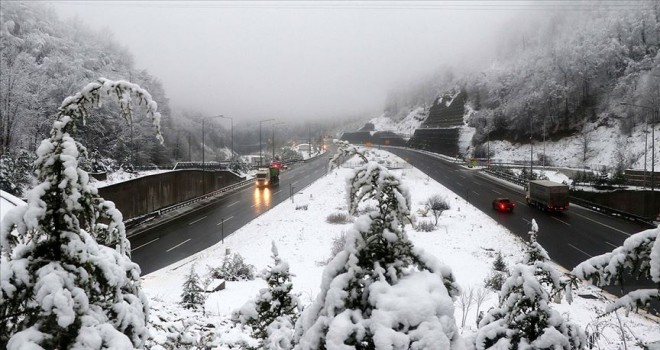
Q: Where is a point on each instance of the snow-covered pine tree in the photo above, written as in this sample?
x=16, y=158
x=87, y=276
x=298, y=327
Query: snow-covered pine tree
x=192, y=296
x=524, y=318
x=346, y=150
x=381, y=292
x=639, y=256
x=499, y=273
x=273, y=304
x=67, y=279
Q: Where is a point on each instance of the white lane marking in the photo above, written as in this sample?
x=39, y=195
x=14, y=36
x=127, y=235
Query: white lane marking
x=198, y=220
x=498, y=192
x=600, y=223
x=277, y=192
x=580, y=250
x=225, y=220
x=233, y=204
x=461, y=176
x=519, y=202
x=253, y=205
x=475, y=193
x=527, y=221
x=295, y=182
x=178, y=245
x=140, y=246
x=562, y=221
x=458, y=183
x=611, y=245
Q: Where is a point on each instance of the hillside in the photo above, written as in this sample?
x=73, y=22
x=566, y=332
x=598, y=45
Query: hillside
x=590, y=77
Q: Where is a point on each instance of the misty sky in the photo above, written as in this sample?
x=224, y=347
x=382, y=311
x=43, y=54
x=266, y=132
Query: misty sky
x=287, y=60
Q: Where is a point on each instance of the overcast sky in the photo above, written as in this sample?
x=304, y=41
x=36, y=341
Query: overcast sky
x=300, y=60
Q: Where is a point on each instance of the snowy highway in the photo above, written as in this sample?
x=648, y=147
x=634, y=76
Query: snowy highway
x=570, y=237
x=195, y=231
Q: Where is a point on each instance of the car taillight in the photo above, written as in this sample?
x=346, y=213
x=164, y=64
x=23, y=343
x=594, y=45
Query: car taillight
x=501, y=206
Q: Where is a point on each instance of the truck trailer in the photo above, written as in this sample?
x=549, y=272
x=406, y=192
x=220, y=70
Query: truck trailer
x=268, y=177
x=547, y=195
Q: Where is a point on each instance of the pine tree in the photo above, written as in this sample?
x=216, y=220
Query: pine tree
x=372, y=289
x=273, y=304
x=345, y=150
x=67, y=279
x=524, y=318
x=192, y=296
x=639, y=256
x=499, y=273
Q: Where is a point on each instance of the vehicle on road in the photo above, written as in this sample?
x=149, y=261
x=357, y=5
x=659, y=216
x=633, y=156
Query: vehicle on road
x=503, y=204
x=547, y=195
x=268, y=177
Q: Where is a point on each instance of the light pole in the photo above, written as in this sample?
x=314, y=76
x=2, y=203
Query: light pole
x=232, y=134
x=203, y=145
x=531, y=150
x=654, y=111
x=280, y=123
x=260, y=151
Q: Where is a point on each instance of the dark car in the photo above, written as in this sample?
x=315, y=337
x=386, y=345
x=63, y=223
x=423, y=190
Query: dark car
x=503, y=204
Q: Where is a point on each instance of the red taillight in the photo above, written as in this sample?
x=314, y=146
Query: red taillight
x=501, y=206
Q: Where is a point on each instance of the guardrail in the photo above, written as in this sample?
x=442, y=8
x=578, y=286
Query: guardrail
x=581, y=202
x=136, y=220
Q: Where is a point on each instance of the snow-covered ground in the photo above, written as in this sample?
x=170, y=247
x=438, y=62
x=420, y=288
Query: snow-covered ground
x=121, y=176
x=606, y=146
x=466, y=240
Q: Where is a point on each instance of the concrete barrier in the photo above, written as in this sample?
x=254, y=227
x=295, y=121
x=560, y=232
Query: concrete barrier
x=150, y=193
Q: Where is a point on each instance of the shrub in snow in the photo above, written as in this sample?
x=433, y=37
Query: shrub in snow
x=234, y=268
x=498, y=275
x=273, y=312
x=424, y=226
x=639, y=256
x=524, y=318
x=66, y=275
x=193, y=296
x=380, y=292
x=437, y=205
x=339, y=218
x=338, y=244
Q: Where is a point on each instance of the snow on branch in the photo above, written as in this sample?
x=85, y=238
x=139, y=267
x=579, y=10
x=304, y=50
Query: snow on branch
x=639, y=255
x=345, y=150
x=79, y=105
x=635, y=254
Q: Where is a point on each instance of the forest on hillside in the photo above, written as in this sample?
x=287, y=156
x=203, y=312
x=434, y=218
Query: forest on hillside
x=558, y=75
x=44, y=59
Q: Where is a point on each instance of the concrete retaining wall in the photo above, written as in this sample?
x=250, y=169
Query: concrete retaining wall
x=150, y=193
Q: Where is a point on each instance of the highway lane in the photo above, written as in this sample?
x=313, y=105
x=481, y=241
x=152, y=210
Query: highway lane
x=195, y=231
x=569, y=237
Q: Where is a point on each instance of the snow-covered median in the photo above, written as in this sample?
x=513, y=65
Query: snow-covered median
x=466, y=240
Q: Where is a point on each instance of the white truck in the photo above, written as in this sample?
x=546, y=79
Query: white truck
x=547, y=195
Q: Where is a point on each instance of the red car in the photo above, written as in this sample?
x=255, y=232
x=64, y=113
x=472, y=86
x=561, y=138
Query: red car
x=503, y=204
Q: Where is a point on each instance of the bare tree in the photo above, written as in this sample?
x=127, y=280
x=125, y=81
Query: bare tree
x=437, y=205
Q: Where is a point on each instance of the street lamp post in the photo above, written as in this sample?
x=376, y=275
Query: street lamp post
x=260, y=149
x=203, y=145
x=654, y=111
x=232, y=134
x=273, y=137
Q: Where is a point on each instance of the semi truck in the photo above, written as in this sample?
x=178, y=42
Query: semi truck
x=547, y=195
x=268, y=177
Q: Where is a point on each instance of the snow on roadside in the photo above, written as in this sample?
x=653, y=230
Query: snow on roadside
x=121, y=176
x=466, y=240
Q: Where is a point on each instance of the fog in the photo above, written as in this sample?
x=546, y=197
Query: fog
x=292, y=60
